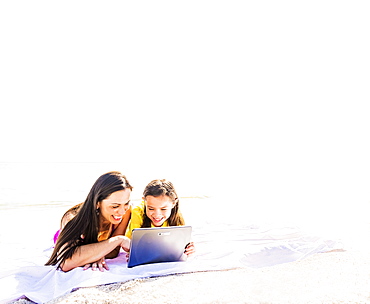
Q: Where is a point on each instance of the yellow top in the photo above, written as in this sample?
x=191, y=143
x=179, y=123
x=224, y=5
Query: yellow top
x=136, y=221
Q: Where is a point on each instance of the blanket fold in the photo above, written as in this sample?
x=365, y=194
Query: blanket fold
x=228, y=248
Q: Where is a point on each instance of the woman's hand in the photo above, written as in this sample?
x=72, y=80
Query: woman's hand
x=189, y=249
x=101, y=264
x=126, y=243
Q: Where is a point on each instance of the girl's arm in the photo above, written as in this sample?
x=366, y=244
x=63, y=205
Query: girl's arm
x=93, y=252
x=120, y=230
x=136, y=219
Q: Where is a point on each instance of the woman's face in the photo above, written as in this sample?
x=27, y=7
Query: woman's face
x=158, y=208
x=115, y=206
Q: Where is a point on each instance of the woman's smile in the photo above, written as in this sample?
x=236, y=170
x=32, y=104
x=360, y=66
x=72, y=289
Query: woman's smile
x=117, y=218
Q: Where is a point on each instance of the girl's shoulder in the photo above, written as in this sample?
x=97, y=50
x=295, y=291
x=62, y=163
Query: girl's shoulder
x=138, y=208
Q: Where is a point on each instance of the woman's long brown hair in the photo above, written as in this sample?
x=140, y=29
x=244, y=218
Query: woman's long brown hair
x=159, y=187
x=84, y=227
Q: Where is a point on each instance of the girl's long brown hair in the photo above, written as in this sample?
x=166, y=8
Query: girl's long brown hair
x=159, y=187
x=84, y=227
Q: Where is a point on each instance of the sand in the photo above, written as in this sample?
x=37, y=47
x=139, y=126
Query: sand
x=332, y=277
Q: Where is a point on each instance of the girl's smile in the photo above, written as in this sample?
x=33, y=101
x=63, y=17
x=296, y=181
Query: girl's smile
x=158, y=209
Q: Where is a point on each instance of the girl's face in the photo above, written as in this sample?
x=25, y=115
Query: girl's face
x=158, y=208
x=114, y=206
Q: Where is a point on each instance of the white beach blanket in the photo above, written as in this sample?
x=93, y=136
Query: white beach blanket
x=219, y=247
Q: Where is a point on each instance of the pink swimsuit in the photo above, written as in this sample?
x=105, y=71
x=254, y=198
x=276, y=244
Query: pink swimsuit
x=56, y=235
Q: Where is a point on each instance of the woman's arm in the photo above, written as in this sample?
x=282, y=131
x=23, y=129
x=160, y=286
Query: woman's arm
x=93, y=252
x=120, y=230
x=122, y=226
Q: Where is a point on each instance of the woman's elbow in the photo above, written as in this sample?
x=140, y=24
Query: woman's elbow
x=67, y=266
x=114, y=253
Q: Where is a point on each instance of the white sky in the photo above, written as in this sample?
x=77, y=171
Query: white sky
x=267, y=102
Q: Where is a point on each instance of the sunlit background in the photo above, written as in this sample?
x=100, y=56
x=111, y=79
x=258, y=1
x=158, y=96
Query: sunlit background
x=261, y=106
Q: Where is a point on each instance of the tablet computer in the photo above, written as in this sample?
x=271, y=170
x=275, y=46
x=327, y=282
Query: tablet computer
x=156, y=245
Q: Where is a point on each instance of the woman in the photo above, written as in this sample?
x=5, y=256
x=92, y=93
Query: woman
x=97, y=230
x=67, y=216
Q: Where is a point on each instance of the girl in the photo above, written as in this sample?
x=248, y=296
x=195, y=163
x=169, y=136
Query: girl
x=159, y=208
x=97, y=229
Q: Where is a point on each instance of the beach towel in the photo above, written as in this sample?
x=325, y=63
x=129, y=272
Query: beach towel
x=219, y=247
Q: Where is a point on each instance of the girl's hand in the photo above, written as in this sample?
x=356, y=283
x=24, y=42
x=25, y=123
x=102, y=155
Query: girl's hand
x=101, y=264
x=189, y=249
